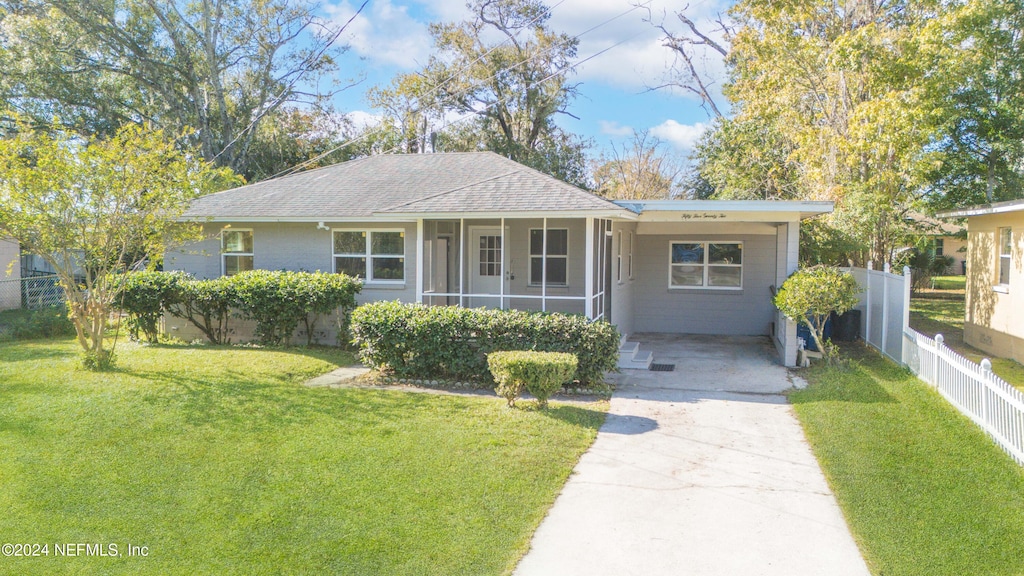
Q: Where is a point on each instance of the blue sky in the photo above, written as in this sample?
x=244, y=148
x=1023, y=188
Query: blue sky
x=390, y=37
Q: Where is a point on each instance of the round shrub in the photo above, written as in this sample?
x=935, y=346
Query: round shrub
x=541, y=373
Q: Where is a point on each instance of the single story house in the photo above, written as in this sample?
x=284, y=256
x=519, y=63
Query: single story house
x=478, y=229
x=944, y=239
x=994, y=307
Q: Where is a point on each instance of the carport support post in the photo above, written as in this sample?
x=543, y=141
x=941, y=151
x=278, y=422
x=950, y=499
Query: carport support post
x=788, y=260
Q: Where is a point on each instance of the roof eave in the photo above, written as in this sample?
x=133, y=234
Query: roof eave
x=997, y=208
x=491, y=215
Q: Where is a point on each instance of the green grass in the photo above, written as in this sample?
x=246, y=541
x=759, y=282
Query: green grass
x=946, y=317
x=949, y=282
x=923, y=489
x=220, y=462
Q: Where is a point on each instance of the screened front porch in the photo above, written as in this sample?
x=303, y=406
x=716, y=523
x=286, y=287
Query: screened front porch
x=543, y=264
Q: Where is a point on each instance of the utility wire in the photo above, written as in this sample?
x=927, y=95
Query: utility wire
x=559, y=72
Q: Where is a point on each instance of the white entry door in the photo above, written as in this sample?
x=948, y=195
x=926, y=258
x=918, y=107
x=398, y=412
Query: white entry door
x=485, y=263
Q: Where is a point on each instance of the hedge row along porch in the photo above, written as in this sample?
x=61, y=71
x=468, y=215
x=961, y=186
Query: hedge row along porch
x=477, y=229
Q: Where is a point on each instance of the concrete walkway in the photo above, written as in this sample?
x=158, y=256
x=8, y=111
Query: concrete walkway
x=701, y=471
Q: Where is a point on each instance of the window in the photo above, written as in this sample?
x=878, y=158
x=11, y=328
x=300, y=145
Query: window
x=236, y=251
x=1005, y=248
x=939, y=246
x=618, y=260
x=557, y=257
x=375, y=255
x=629, y=258
x=716, y=265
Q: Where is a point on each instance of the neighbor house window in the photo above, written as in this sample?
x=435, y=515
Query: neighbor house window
x=1005, y=248
x=557, y=256
x=374, y=255
x=706, y=265
x=236, y=251
x=939, y=246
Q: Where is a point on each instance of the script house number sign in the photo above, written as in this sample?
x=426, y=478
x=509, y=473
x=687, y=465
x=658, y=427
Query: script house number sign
x=703, y=216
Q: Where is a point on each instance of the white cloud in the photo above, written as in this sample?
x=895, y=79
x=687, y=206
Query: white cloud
x=613, y=128
x=361, y=119
x=682, y=136
x=384, y=34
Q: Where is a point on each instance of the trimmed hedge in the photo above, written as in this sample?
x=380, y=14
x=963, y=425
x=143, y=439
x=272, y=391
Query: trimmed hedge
x=542, y=373
x=145, y=296
x=452, y=343
x=276, y=301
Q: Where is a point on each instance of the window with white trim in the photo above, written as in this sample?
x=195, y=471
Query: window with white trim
x=940, y=246
x=557, y=256
x=629, y=257
x=1005, y=250
x=618, y=259
x=374, y=255
x=236, y=251
x=714, y=265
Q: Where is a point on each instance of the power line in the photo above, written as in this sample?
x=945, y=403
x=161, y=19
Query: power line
x=559, y=72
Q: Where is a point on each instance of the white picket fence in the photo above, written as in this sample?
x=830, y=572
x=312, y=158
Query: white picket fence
x=971, y=387
x=884, y=302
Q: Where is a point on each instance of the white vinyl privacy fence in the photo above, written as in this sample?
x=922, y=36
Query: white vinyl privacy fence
x=885, y=308
x=982, y=396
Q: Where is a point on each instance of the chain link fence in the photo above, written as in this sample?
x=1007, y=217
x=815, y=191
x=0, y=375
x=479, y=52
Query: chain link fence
x=37, y=292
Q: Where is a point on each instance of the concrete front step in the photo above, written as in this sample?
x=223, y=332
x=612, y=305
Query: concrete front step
x=628, y=349
x=640, y=360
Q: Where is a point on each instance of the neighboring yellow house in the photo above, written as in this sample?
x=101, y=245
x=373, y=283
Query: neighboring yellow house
x=946, y=238
x=994, y=311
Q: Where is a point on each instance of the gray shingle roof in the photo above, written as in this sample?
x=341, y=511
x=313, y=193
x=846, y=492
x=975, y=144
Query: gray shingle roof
x=401, y=183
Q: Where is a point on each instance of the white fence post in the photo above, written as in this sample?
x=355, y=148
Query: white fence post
x=867, y=302
x=935, y=359
x=885, y=308
x=986, y=374
x=907, y=281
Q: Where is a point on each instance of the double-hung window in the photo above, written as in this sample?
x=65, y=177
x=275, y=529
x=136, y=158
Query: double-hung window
x=236, y=251
x=374, y=255
x=557, y=257
x=629, y=258
x=1005, y=250
x=715, y=265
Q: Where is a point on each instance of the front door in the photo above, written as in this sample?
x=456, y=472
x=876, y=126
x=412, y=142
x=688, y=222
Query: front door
x=486, y=270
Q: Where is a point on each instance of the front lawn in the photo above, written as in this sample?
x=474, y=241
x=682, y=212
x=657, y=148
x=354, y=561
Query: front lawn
x=218, y=461
x=924, y=490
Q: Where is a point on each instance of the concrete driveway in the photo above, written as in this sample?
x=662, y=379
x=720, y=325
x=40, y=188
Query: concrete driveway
x=700, y=471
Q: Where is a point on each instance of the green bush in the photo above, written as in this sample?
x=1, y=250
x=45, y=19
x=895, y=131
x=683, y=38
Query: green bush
x=279, y=300
x=48, y=322
x=810, y=295
x=542, y=373
x=206, y=304
x=144, y=296
x=276, y=301
x=452, y=343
